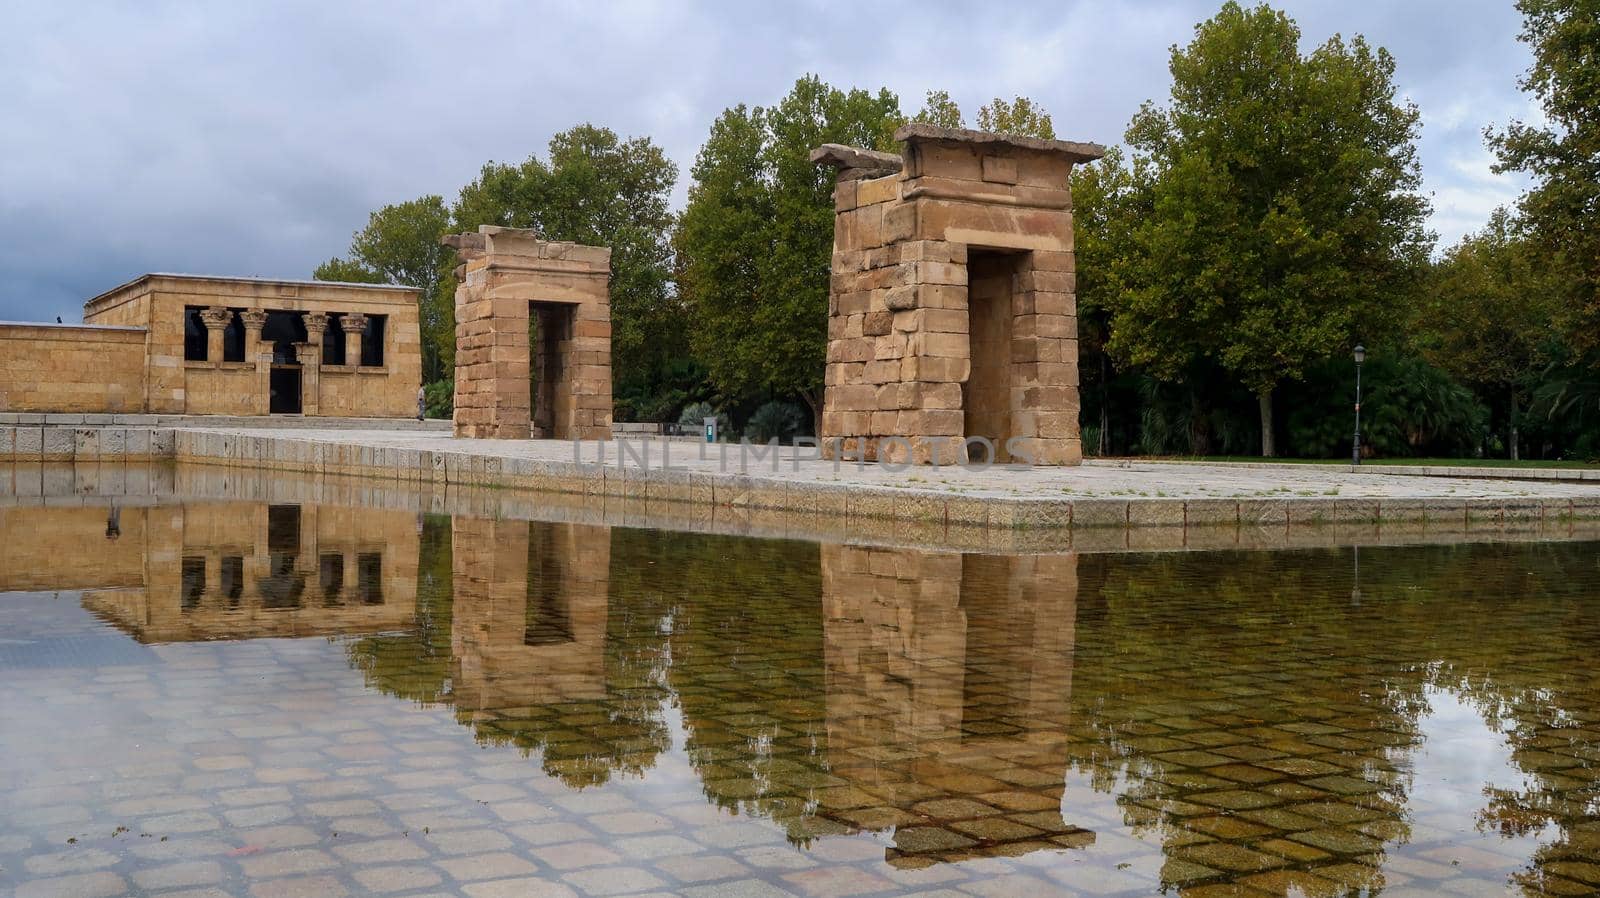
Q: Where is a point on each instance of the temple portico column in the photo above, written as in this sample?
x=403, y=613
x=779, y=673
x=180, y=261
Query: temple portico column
x=216, y=320
x=310, y=355
x=354, y=324
x=260, y=353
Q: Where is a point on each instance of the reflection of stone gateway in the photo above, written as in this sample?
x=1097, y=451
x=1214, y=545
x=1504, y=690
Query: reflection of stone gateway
x=952, y=309
x=529, y=625
x=949, y=681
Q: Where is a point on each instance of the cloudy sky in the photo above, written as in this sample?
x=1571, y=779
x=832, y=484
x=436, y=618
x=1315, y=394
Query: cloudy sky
x=252, y=139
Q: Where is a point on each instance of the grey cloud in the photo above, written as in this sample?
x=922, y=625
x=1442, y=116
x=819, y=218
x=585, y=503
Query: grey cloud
x=232, y=140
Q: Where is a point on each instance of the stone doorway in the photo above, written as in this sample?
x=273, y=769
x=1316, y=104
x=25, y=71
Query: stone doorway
x=551, y=338
x=986, y=396
x=284, y=386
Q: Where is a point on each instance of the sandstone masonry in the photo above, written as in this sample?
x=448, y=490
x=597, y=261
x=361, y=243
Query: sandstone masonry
x=952, y=312
x=532, y=311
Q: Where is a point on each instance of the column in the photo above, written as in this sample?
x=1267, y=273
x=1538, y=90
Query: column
x=354, y=325
x=216, y=319
x=260, y=353
x=310, y=355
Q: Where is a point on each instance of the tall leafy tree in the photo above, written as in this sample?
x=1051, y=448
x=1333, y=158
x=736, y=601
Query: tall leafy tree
x=755, y=242
x=400, y=245
x=1489, y=317
x=597, y=188
x=1284, y=215
x=1563, y=152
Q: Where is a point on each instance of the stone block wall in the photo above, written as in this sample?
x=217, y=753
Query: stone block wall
x=510, y=280
x=71, y=368
x=965, y=224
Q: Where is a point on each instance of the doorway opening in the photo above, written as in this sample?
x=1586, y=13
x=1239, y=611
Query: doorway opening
x=285, y=387
x=986, y=395
x=550, y=336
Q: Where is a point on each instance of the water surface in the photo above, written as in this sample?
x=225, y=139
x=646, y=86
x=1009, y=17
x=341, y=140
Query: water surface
x=300, y=699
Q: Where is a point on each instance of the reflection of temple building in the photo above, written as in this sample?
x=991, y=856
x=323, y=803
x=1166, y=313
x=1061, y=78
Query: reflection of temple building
x=231, y=570
x=949, y=679
x=529, y=625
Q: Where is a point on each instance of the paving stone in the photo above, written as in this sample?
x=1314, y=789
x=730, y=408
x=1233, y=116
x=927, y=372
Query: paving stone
x=526, y=887
x=300, y=887
x=81, y=885
x=612, y=880
x=192, y=873
x=496, y=865
x=398, y=878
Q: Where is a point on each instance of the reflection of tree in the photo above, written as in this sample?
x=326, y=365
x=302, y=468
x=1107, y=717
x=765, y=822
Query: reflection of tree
x=1267, y=647
x=742, y=627
x=416, y=665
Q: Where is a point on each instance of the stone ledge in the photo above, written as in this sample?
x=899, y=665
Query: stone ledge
x=866, y=503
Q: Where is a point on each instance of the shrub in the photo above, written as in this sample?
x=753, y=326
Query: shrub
x=776, y=420
x=439, y=398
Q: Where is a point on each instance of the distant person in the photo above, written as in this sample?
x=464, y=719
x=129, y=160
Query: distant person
x=422, y=400
x=58, y=319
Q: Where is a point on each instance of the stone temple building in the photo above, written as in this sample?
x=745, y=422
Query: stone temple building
x=197, y=345
x=952, y=313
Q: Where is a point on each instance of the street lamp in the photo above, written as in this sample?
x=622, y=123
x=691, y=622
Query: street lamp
x=1355, y=445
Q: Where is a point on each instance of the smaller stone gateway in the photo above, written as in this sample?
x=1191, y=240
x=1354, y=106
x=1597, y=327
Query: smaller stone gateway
x=531, y=315
x=951, y=314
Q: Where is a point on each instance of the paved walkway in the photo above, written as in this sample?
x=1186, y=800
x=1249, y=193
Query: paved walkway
x=1094, y=495
x=1094, y=480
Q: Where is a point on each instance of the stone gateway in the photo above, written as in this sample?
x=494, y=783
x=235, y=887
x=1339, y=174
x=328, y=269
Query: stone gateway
x=952, y=320
x=533, y=337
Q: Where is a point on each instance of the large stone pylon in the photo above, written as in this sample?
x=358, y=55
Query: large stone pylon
x=952, y=319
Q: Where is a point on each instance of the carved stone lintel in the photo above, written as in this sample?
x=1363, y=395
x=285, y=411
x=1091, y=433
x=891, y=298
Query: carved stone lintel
x=353, y=323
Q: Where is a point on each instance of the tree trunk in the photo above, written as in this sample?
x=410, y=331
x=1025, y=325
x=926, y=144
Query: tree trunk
x=814, y=403
x=1199, y=424
x=1269, y=447
x=1515, y=450
x=1105, y=406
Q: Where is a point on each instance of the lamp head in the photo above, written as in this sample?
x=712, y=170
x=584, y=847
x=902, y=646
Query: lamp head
x=1361, y=353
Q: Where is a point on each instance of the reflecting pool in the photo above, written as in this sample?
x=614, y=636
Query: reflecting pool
x=249, y=698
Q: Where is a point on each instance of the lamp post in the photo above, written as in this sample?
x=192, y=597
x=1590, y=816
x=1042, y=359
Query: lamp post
x=1355, y=445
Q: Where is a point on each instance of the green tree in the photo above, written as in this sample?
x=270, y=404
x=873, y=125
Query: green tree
x=1489, y=316
x=1284, y=217
x=940, y=110
x=754, y=244
x=346, y=271
x=1563, y=153
x=1021, y=116
x=596, y=188
x=400, y=245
